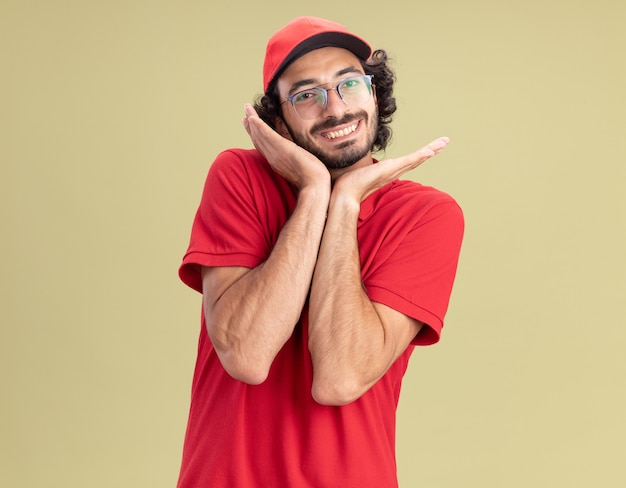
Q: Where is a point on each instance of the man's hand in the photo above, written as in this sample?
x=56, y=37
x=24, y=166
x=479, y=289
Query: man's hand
x=364, y=181
x=286, y=158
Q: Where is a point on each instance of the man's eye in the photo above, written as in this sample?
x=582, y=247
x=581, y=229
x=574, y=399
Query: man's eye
x=352, y=83
x=305, y=96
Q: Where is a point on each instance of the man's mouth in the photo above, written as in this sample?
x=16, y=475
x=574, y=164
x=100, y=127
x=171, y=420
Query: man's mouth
x=340, y=133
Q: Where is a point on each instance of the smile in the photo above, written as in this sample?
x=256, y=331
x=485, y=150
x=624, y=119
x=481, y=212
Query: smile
x=341, y=133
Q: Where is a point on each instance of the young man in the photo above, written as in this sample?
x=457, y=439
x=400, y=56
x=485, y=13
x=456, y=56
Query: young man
x=320, y=271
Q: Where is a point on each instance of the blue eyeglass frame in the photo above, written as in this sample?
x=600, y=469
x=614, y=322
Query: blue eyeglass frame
x=326, y=90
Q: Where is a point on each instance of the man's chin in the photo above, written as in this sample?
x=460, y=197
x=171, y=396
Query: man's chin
x=347, y=156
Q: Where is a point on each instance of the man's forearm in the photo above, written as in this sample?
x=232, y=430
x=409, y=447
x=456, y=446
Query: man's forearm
x=253, y=317
x=346, y=336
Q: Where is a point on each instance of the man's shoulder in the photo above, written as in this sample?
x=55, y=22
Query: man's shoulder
x=411, y=196
x=414, y=189
x=236, y=155
x=235, y=169
x=241, y=162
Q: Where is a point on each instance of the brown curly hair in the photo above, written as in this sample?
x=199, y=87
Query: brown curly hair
x=268, y=106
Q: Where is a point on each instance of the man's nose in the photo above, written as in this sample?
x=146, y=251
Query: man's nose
x=334, y=105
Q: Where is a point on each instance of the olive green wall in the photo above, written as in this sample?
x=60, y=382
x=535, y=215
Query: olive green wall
x=111, y=113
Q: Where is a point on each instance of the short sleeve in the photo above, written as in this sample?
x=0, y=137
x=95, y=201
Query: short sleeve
x=227, y=229
x=417, y=261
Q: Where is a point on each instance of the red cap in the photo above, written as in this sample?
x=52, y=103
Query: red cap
x=302, y=35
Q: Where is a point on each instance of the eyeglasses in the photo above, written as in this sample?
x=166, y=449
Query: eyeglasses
x=310, y=103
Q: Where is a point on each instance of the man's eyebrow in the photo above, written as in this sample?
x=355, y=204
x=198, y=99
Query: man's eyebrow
x=312, y=81
x=299, y=84
x=349, y=69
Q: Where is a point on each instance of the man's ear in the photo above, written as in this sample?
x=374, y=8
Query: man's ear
x=281, y=128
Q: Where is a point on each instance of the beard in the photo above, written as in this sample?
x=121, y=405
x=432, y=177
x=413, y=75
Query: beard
x=345, y=154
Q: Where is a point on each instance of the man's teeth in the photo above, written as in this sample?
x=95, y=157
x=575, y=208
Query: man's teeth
x=340, y=133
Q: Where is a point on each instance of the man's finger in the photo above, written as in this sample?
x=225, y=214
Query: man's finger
x=438, y=144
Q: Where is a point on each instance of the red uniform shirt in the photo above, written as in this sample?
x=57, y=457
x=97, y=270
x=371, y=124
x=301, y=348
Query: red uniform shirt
x=274, y=434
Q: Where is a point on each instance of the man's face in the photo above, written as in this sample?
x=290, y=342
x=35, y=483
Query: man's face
x=341, y=135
